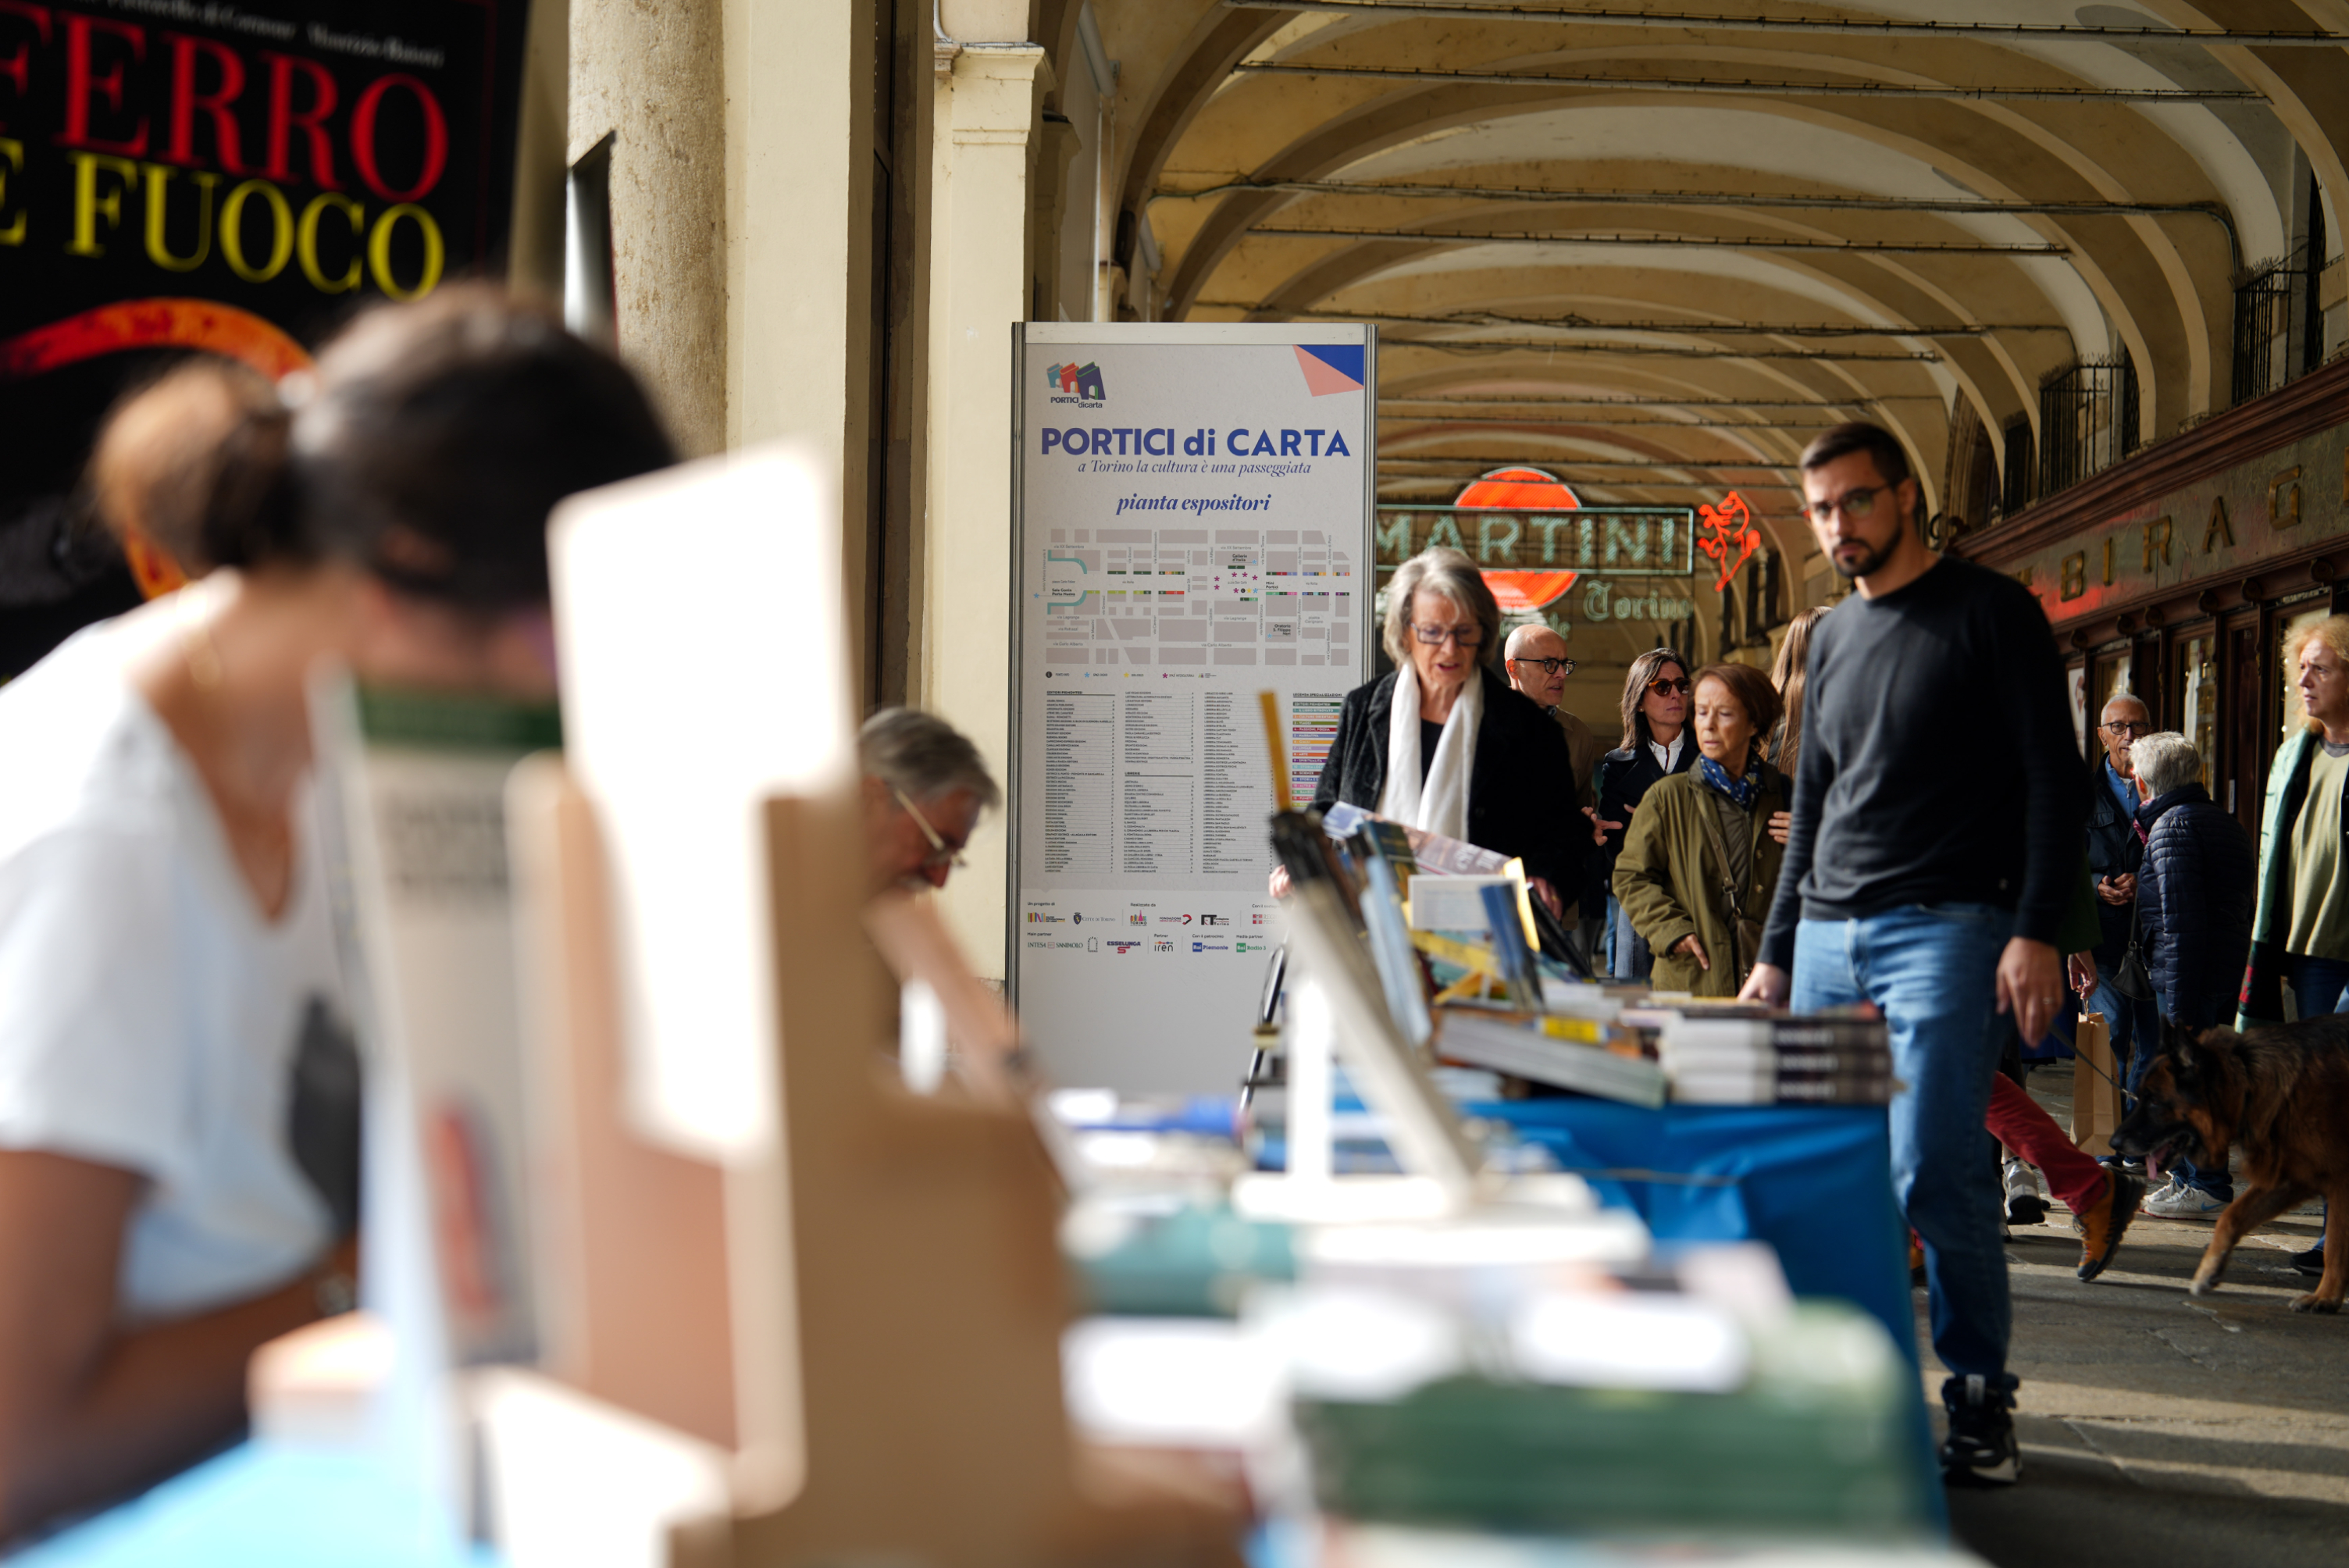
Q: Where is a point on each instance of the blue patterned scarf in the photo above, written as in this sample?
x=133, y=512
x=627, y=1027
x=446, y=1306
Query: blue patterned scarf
x=1741, y=791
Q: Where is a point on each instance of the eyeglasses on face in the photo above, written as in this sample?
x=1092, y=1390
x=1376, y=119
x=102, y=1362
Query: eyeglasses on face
x=1466, y=636
x=941, y=852
x=1856, y=504
x=1667, y=686
x=2129, y=727
x=1549, y=666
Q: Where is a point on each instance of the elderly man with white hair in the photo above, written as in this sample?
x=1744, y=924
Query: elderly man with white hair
x=2194, y=914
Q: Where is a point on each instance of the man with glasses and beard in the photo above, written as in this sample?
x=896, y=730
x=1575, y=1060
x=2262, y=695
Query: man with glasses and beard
x=1930, y=888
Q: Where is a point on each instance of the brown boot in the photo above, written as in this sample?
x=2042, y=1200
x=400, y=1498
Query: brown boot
x=2103, y=1223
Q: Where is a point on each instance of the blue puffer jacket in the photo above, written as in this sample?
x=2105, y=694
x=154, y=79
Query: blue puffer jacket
x=2194, y=904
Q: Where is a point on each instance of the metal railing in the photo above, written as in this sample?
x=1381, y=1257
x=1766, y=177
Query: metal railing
x=2263, y=329
x=2087, y=420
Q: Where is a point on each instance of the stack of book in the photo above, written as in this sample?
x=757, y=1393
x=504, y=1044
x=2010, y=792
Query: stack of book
x=1775, y=1061
x=1564, y=1053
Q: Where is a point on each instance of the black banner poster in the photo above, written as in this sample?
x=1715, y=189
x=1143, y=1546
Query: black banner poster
x=186, y=176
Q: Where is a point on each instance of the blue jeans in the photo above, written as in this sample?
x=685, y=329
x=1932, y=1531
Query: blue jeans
x=2318, y=985
x=1932, y=971
x=1627, y=955
x=2135, y=1025
x=2313, y=982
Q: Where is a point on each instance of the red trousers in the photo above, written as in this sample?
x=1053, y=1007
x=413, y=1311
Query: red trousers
x=2016, y=1120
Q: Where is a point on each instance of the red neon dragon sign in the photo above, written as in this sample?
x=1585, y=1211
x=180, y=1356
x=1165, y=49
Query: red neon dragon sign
x=1732, y=526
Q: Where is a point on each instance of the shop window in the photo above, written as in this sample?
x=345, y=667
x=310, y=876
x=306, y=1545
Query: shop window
x=2198, y=705
x=2075, y=680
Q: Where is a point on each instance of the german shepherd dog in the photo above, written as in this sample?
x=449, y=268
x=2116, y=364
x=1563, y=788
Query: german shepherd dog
x=2283, y=1093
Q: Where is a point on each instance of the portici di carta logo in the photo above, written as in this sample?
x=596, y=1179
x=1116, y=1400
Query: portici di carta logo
x=1078, y=384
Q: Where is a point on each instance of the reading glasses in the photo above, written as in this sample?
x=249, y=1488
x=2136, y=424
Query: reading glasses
x=941, y=852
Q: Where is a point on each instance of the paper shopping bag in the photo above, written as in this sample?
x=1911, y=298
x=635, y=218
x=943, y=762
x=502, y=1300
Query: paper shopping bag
x=2095, y=1088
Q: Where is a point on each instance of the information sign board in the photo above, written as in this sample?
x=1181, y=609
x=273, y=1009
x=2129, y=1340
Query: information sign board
x=1192, y=527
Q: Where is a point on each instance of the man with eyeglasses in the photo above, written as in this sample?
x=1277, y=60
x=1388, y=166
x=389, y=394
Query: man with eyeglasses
x=1537, y=661
x=925, y=788
x=1537, y=666
x=2114, y=851
x=1930, y=881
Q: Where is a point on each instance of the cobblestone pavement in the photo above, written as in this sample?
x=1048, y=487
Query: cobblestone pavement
x=2160, y=1429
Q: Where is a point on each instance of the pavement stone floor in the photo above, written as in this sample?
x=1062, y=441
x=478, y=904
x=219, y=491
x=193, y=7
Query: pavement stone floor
x=2156, y=1429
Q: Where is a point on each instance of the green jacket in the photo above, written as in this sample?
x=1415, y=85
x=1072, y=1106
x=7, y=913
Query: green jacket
x=2261, y=1001
x=1671, y=879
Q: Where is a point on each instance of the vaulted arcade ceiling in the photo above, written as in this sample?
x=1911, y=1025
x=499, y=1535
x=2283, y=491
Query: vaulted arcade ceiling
x=1658, y=253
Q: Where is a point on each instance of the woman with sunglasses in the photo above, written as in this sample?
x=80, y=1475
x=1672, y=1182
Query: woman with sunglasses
x=1446, y=744
x=1656, y=746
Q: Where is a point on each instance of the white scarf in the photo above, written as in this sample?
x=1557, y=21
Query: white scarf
x=1441, y=804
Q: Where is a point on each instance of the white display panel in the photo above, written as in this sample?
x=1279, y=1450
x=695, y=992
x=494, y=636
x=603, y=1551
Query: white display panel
x=1194, y=527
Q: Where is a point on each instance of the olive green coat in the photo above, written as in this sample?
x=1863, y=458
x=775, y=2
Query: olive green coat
x=1673, y=874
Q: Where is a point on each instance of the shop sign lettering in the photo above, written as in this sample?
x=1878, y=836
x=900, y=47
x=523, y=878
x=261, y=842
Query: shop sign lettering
x=1627, y=541
x=2249, y=514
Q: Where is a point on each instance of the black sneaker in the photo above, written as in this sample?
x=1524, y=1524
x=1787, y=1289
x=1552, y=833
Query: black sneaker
x=1980, y=1450
x=2311, y=1262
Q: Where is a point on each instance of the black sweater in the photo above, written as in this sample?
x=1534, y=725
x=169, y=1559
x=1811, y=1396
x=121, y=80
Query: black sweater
x=1521, y=787
x=1938, y=763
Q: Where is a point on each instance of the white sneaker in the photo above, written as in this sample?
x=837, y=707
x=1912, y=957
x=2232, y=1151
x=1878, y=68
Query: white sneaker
x=2179, y=1201
x=2025, y=1205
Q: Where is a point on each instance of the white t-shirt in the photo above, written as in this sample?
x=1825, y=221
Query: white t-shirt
x=151, y=1017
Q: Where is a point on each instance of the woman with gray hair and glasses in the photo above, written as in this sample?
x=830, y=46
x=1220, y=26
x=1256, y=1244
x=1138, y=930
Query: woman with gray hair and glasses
x=1446, y=744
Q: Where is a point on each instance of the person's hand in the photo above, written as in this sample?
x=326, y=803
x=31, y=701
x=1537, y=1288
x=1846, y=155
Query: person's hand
x=1767, y=984
x=1599, y=826
x=1279, y=882
x=1689, y=947
x=2118, y=889
x=2082, y=969
x=2030, y=985
x=1782, y=826
x=1548, y=896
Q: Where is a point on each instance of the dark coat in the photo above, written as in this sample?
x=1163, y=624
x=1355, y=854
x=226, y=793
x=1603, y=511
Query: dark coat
x=1621, y=782
x=2114, y=851
x=1520, y=788
x=2194, y=903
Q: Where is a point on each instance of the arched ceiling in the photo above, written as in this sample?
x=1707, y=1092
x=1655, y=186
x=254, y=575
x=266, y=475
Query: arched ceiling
x=1695, y=243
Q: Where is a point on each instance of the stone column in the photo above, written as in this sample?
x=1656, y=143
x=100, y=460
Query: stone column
x=654, y=76
x=978, y=274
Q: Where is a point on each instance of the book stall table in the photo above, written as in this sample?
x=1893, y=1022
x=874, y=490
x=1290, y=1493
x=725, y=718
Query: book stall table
x=1814, y=1181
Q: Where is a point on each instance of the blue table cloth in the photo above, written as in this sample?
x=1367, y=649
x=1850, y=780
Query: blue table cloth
x=1814, y=1181
x=260, y=1506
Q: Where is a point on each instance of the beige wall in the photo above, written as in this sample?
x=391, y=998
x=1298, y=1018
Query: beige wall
x=654, y=74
